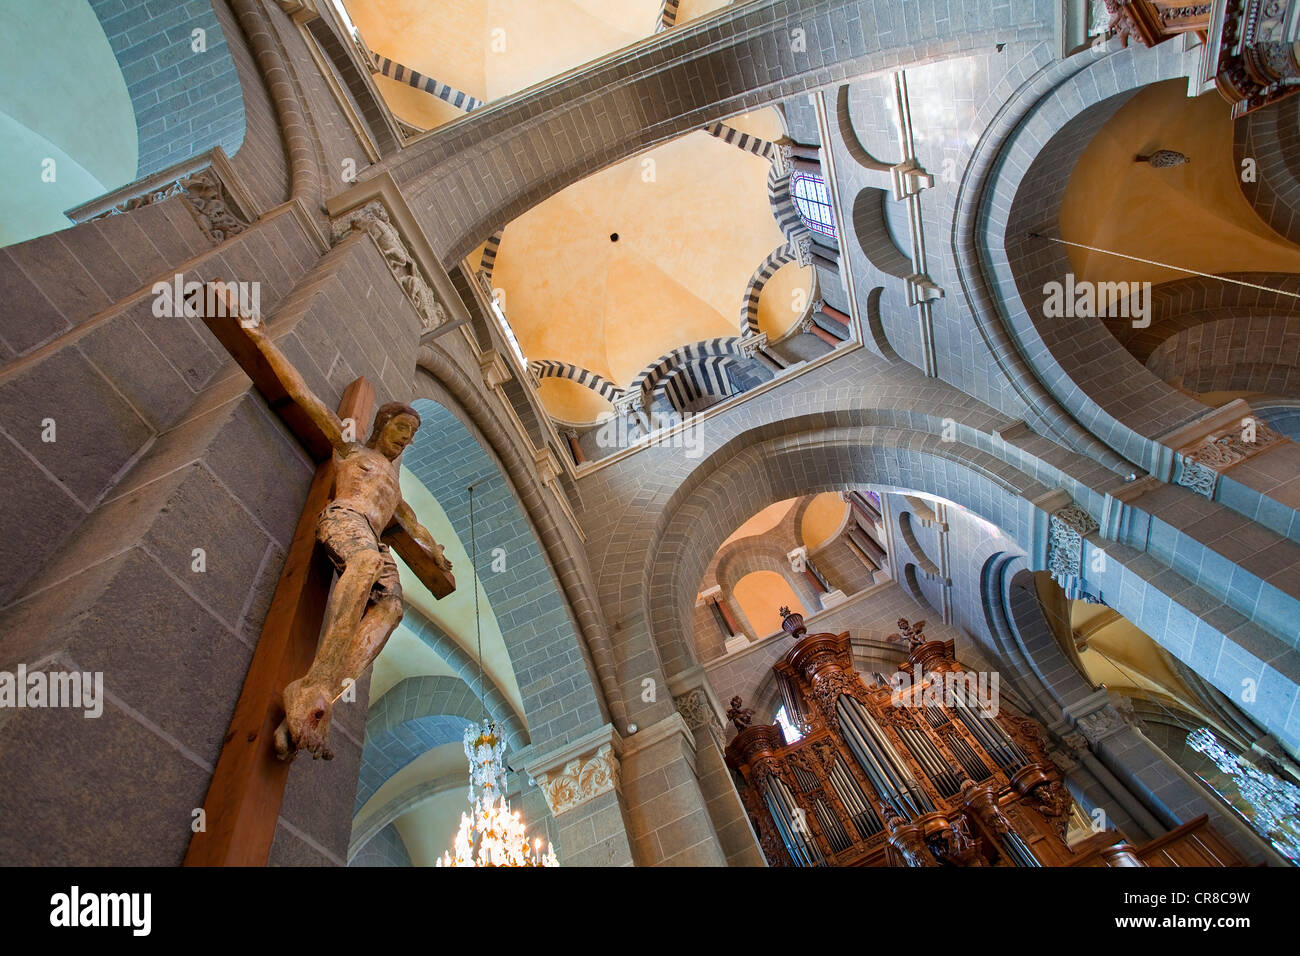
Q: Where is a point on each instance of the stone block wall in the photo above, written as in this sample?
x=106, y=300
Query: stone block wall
x=125, y=596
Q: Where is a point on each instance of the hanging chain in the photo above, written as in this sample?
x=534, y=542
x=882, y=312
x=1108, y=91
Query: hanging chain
x=478, y=623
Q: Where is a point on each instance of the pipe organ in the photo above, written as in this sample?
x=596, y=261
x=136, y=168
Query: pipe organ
x=931, y=773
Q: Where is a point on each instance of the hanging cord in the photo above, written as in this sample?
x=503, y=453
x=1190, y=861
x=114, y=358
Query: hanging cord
x=1165, y=265
x=478, y=622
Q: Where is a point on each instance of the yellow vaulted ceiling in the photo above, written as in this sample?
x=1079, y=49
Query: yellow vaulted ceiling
x=1193, y=216
x=692, y=216
x=493, y=48
x=693, y=223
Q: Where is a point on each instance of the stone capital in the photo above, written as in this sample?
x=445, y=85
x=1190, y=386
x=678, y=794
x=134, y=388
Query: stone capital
x=695, y=701
x=579, y=771
x=1099, y=716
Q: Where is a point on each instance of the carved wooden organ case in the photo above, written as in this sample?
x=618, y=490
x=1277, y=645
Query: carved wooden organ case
x=882, y=778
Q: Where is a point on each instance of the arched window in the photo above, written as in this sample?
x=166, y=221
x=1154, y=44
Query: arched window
x=791, y=732
x=814, y=202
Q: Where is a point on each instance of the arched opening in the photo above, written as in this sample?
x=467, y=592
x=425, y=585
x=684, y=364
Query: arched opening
x=81, y=118
x=814, y=202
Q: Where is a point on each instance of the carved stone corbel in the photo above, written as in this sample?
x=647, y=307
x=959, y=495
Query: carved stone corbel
x=548, y=468
x=698, y=712
x=1066, y=530
x=750, y=345
x=494, y=368
x=803, y=251
x=373, y=219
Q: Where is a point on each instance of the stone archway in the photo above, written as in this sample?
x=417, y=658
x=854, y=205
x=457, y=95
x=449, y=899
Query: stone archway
x=653, y=599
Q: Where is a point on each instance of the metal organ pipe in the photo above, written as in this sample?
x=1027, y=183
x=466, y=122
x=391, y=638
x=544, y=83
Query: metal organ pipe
x=797, y=839
x=879, y=760
x=846, y=788
x=989, y=733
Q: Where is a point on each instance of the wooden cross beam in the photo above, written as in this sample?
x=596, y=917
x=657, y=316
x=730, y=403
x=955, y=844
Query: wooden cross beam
x=247, y=788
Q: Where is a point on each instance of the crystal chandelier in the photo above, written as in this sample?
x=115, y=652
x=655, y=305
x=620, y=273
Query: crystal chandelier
x=1276, y=803
x=491, y=834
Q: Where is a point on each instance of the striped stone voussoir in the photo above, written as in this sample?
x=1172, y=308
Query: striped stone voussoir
x=548, y=368
x=768, y=268
x=749, y=143
x=404, y=74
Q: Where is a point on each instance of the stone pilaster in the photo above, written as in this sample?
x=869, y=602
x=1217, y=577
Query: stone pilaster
x=581, y=785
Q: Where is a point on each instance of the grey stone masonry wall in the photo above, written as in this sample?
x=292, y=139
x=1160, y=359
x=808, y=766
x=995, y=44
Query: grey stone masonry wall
x=261, y=160
x=124, y=596
x=1271, y=137
x=470, y=179
x=110, y=373
x=186, y=101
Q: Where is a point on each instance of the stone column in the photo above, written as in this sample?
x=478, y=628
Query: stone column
x=581, y=782
x=1163, y=795
x=667, y=812
x=695, y=701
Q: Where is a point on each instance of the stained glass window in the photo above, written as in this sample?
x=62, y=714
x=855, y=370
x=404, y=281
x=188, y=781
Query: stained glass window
x=814, y=202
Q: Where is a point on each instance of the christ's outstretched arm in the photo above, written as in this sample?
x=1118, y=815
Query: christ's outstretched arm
x=298, y=389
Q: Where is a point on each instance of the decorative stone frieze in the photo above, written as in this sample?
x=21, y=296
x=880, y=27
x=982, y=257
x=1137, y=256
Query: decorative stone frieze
x=1216, y=453
x=581, y=780
x=373, y=218
x=217, y=214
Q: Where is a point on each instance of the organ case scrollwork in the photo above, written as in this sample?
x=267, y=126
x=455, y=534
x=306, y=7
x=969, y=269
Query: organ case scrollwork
x=923, y=775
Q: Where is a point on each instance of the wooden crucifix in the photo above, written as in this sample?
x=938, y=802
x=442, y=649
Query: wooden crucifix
x=353, y=518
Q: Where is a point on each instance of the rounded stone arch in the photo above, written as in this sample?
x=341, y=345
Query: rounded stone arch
x=551, y=368
x=876, y=337
x=443, y=379
x=1270, y=137
x=914, y=586
x=1079, y=362
x=914, y=545
x=1261, y=354
x=752, y=472
x=875, y=238
x=784, y=210
x=489, y=693
x=754, y=290
x=415, y=716
x=759, y=554
x=803, y=456
x=1183, y=304
x=448, y=455
x=649, y=378
x=849, y=135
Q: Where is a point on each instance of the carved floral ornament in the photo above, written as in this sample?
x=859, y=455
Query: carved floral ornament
x=696, y=710
x=1066, y=532
x=373, y=218
x=582, y=779
x=1216, y=453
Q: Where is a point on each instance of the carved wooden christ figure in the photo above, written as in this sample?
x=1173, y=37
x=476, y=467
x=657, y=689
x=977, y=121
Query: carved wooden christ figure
x=365, y=514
